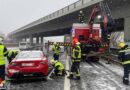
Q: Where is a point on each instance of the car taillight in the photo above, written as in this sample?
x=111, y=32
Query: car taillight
x=13, y=64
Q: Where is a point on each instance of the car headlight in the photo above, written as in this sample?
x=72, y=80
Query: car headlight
x=13, y=71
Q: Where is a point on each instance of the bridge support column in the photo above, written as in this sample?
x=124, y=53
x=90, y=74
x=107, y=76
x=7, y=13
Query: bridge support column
x=37, y=40
x=31, y=39
x=42, y=39
x=25, y=39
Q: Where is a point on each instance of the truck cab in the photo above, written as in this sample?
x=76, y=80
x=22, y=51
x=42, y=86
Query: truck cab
x=90, y=41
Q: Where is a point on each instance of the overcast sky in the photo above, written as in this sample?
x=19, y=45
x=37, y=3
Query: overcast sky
x=17, y=13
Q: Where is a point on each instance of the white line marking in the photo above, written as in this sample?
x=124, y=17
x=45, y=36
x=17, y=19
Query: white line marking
x=48, y=77
x=67, y=81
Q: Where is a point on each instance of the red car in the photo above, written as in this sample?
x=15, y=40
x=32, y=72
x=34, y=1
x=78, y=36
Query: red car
x=28, y=63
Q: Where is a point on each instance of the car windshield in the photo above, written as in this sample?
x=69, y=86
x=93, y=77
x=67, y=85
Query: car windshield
x=29, y=54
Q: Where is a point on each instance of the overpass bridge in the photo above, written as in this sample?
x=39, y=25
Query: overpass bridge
x=60, y=22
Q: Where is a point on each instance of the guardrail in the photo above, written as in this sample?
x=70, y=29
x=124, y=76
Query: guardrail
x=111, y=59
x=11, y=44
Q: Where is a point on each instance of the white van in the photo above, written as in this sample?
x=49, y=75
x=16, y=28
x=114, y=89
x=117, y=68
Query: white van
x=24, y=45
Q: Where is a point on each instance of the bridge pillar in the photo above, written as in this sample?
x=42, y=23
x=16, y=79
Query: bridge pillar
x=42, y=39
x=25, y=39
x=37, y=40
x=31, y=39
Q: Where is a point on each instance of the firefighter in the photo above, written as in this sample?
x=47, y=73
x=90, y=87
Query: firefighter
x=81, y=16
x=11, y=55
x=16, y=52
x=124, y=56
x=56, y=49
x=59, y=69
x=76, y=58
x=3, y=54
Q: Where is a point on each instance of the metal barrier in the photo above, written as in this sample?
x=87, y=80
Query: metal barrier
x=110, y=59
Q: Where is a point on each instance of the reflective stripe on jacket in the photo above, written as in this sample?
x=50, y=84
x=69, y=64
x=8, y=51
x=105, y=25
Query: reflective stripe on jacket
x=2, y=53
x=124, y=56
x=59, y=66
x=10, y=53
x=76, y=54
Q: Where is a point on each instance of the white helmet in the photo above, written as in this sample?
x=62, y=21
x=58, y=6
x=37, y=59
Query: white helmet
x=80, y=11
x=78, y=43
x=54, y=43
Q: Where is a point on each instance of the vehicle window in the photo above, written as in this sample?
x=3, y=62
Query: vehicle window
x=29, y=55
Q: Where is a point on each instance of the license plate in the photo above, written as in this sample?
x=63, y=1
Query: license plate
x=28, y=75
x=27, y=64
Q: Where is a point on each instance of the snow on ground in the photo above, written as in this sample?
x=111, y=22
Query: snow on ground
x=94, y=76
x=99, y=76
x=113, y=67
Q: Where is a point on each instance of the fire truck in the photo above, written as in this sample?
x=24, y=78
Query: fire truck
x=94, y=36
x=89, y=46
x=91, y=35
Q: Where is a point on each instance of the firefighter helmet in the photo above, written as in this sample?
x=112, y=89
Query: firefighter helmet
x=121, y=44
x=55, y=43
x=80, y=11
x=74, y=41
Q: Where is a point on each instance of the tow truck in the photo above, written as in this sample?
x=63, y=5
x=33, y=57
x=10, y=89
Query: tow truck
x=92, y=36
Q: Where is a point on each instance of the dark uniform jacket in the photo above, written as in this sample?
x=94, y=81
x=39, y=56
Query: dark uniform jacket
x=124, y=56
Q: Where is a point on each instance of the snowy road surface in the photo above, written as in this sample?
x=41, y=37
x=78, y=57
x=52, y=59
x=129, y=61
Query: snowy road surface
x=99, y=76
x=94, y=76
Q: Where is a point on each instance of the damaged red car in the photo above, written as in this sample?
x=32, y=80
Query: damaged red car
x=27, y=64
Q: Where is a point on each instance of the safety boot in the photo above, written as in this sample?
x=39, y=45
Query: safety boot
x=126, y=81
x=78, y=77
x=64, y=73
x=70, y=77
